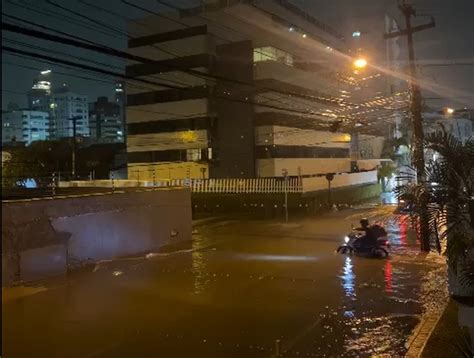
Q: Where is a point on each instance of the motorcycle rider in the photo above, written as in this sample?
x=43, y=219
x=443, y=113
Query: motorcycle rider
x=370, y=238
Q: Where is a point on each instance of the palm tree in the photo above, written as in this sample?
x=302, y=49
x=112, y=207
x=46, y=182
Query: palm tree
x=445, y=202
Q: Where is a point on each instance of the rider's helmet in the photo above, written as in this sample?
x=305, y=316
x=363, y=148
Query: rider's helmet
x=364, y=222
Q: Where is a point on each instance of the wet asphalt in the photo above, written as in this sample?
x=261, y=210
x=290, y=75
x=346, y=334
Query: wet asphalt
x=243, y=289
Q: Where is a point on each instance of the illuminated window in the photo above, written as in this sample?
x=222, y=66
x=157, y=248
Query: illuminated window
x=193, y=155
x=269, y=53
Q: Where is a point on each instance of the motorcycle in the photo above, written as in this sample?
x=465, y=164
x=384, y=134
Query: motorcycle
x=380, y=250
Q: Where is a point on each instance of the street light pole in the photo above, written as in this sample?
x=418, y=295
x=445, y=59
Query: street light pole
x=285, y=177
x=329, y=178
x=418, y=149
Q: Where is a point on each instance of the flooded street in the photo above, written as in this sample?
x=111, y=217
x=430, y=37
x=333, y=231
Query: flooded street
x=241, y=287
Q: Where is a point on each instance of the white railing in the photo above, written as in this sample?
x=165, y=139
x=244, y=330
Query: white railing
x=237, y=186
x=247, y=186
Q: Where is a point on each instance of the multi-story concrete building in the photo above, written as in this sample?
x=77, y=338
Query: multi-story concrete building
x=66, y=106
x=105, y=121
x=459, y=127
x=25, y=126
x=244, y=89
x=440, y=121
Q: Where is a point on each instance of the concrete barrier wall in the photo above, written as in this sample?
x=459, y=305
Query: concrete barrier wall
x=302, y=166
x=40, y=237
x=339, y=181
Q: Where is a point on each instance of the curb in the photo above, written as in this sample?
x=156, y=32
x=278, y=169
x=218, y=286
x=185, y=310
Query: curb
x=422, y=333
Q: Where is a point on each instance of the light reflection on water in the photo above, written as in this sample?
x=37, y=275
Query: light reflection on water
x=267, y=257
x=388, y=274
x=348, y=278
x=199, y=268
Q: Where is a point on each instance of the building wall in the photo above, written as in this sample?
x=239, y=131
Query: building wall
x=280, y=135
x=370, y=147
x=66, y=105
x=236, y=139
x=301, y=166
x=25, y=126
x=234, y=142
x=169, y=110
x=297, y=77
x=339, y=181
x=164, y=171
x=461, y=128
x=171, y=140
x=312, y=166
x=105, y=121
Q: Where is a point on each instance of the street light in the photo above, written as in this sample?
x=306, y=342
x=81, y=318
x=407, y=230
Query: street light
x=360, y=63
x=449, y=110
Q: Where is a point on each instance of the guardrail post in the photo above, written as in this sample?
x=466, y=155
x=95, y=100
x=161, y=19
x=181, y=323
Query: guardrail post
x=53, y=183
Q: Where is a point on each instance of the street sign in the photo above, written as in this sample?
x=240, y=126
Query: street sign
x=329, y=176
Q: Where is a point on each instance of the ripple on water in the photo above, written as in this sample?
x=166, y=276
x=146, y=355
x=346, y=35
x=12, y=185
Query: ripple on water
x=380, y=335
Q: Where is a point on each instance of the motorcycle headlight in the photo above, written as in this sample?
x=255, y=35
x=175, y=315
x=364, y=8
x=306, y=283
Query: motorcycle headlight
x=346, y=239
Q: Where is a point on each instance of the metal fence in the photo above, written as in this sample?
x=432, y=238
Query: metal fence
x=246, y=186
x=230, y=186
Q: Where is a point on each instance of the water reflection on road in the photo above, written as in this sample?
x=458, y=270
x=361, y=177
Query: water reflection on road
x=238, y=290
x=348, y=278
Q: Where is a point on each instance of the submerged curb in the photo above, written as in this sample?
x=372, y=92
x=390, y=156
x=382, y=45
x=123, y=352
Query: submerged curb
x=423, y=332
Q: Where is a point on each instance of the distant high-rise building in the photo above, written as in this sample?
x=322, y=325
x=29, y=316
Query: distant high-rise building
x=66, y=106
x=25, y=126
x=39, y=97
x=105, y=121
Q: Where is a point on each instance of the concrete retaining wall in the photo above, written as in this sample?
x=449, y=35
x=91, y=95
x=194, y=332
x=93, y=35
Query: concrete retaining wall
x=339, y=181
x=42, y=237
x=271, y=204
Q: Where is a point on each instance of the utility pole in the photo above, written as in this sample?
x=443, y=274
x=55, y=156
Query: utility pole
x=74, y=131
x=417, y=121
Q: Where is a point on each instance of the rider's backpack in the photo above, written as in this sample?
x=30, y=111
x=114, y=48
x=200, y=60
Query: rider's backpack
x=378, y=231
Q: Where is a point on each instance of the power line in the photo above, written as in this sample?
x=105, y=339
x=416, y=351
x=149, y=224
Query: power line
x=293, y=100
x=57, y=16
x=111, y=28
x=311, y=97
x=121, y=54
x=93, y=69
x=83, y=59
x=175, y=115
x=446, y=64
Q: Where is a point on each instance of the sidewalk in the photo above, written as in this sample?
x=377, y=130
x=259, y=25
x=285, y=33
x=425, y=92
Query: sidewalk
x=447, y=339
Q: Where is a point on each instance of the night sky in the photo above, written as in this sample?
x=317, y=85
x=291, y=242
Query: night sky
x=450, y=41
